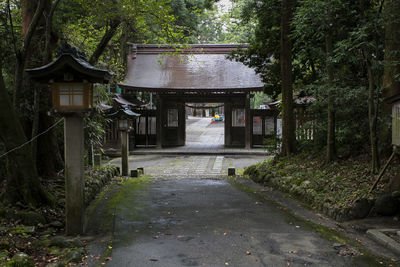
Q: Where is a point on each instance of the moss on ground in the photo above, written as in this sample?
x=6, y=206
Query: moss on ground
x=128, y=186
x=102, y=211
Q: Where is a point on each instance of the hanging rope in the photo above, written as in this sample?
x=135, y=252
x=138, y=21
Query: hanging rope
x=37, y=136
x=203, y=107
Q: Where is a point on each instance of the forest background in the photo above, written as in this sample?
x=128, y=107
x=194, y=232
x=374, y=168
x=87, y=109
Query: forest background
x=345, y=54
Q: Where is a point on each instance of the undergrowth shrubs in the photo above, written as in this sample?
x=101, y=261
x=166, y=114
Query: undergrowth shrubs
x=334, y=186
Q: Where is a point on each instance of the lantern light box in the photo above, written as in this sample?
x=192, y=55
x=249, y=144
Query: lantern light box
x=72, y=95
x=124, y=124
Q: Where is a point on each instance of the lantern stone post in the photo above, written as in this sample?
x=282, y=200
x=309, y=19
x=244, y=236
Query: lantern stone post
x=124, y=127
x=124, y=152
x=125, y=118
x=71, y=79
x=74, y=173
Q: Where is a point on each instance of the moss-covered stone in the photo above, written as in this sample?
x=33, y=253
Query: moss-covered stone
x=21, y=260
x=4, y=255
x=60, y=242
x=74, y=256
x=386, y=205
x=4, y=243
x=32, y=218
x=22, y=230
x=361, y=208
x=77, y=243
x=55, y=264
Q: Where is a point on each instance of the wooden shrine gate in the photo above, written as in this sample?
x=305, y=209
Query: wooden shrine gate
x=198, y=74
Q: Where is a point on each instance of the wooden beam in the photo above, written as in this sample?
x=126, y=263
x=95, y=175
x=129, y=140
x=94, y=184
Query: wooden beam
x=247, y=134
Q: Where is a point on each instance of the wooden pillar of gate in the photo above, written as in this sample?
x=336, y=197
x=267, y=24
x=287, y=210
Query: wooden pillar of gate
x=247, y=135
x=159, y=122
x=228, y=123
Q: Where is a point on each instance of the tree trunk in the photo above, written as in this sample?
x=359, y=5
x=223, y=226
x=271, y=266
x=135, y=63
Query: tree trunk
x=22, y=55
x=48, y=151
x=372, y=117
x=104, y=41
x=331, y=138
x=23, y=182
x=288, y=124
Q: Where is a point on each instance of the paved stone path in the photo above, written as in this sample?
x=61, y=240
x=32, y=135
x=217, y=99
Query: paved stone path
x=200, y=132
x=187, y=214
x=172, y=222
x=189, y=166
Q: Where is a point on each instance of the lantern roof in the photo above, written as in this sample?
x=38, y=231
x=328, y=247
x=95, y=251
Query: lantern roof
x=70, y=66
x=124, y=112
x=128, y=100
x=393, y=99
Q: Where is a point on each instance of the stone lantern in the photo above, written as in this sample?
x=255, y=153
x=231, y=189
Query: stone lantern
x=71, y=80
x=395, y=101
x=125, y=118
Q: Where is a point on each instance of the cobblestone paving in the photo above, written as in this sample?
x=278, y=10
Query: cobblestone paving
x=196, y=166
x=201, y=135
x=192, y=166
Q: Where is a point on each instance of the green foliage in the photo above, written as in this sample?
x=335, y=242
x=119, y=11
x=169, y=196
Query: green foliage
x=225, y=25
x=357, y=31
x=258, y=99
x=306, y=177
x=263, y=55
x=95, y=124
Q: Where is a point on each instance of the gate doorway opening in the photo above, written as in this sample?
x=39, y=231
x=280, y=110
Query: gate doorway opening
x=205, y=126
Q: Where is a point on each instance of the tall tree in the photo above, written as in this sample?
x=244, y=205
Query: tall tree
x=23, y=181
x=288, y=123
x=331, y=136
